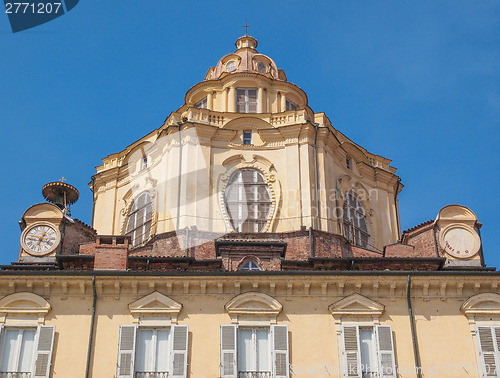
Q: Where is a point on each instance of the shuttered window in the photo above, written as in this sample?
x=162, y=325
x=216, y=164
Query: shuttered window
x=368, y=352
x=26, y=352
x=152, y=352
x=489, y=350
x=254, y=352
x=246, y=100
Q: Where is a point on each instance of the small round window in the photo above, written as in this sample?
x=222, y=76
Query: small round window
x=261, y=67
x=231, y=66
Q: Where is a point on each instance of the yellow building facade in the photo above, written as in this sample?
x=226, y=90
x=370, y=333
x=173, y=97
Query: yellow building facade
x=246, y=237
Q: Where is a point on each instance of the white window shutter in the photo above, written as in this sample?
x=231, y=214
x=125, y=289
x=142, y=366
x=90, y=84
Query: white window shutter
x=279, y=335
x=178, y=356
x=43, y=354
x=385, y=350
x=126, y=352
x=351, y=354
x=486, y=340
x=228, y=351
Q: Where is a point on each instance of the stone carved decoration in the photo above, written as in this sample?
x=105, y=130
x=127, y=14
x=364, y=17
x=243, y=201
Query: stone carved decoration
x=24, y=305
x=484, y=304
x=253, y=305
x=237, y=162
x=155, y=307
x=356, y=305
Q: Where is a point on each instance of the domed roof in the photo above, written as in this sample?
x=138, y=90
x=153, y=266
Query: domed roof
x=245, y=59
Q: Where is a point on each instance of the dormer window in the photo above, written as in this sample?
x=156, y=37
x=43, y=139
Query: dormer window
x=246, y=100
x=261, y=67
x=291, y=106
x=201, y=104
x=231, y=66
x=144, y=162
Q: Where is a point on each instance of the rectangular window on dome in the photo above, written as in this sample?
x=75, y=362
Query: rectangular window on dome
x=201, y=104
x=291, y=106
x=247, y=137
x=246, y=100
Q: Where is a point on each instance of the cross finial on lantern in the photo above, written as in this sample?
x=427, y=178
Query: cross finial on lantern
x=246, y=26
x=63, y=179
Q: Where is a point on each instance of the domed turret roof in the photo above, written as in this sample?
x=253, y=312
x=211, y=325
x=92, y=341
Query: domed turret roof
x=245, y=59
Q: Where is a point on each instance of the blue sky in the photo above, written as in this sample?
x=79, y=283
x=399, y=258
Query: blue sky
x=415, y=81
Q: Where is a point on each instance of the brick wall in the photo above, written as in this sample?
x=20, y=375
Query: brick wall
x=422, y=238
x=75, y=234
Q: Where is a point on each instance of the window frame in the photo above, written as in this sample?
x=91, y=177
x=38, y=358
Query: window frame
x=147, y=222
x=247, y=137
x=41, y=359
x=247, y=103
x=278, y=348
x=351, y=351
x=202, y=104
x=243, y=204
x=256, y=268
x=353, y=221
x=261, y=64
x=234, y=68
x=128, y=350
x=485, y=366
x=290, y=105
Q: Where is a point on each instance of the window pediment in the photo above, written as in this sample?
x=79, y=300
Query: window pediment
x=356, y=305
x=155, y=305
x=22, y=305
x=253, y=304
x=482, y=304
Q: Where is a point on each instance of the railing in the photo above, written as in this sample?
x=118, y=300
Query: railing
x=254, y=374
x=14, y=374
x=150, y=374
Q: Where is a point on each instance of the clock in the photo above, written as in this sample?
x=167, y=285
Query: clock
x=460, y=241
x=40, y=239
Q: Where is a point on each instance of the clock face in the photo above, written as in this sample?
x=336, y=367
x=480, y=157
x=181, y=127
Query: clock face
x=40, y=239
x=460, y=242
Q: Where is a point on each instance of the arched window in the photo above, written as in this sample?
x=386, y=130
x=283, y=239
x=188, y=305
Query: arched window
x=139, y=219
x=247, y=200
x=354, y=219
x=249, y=266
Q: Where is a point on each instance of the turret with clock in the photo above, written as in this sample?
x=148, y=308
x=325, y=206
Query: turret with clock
x=43, y=224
